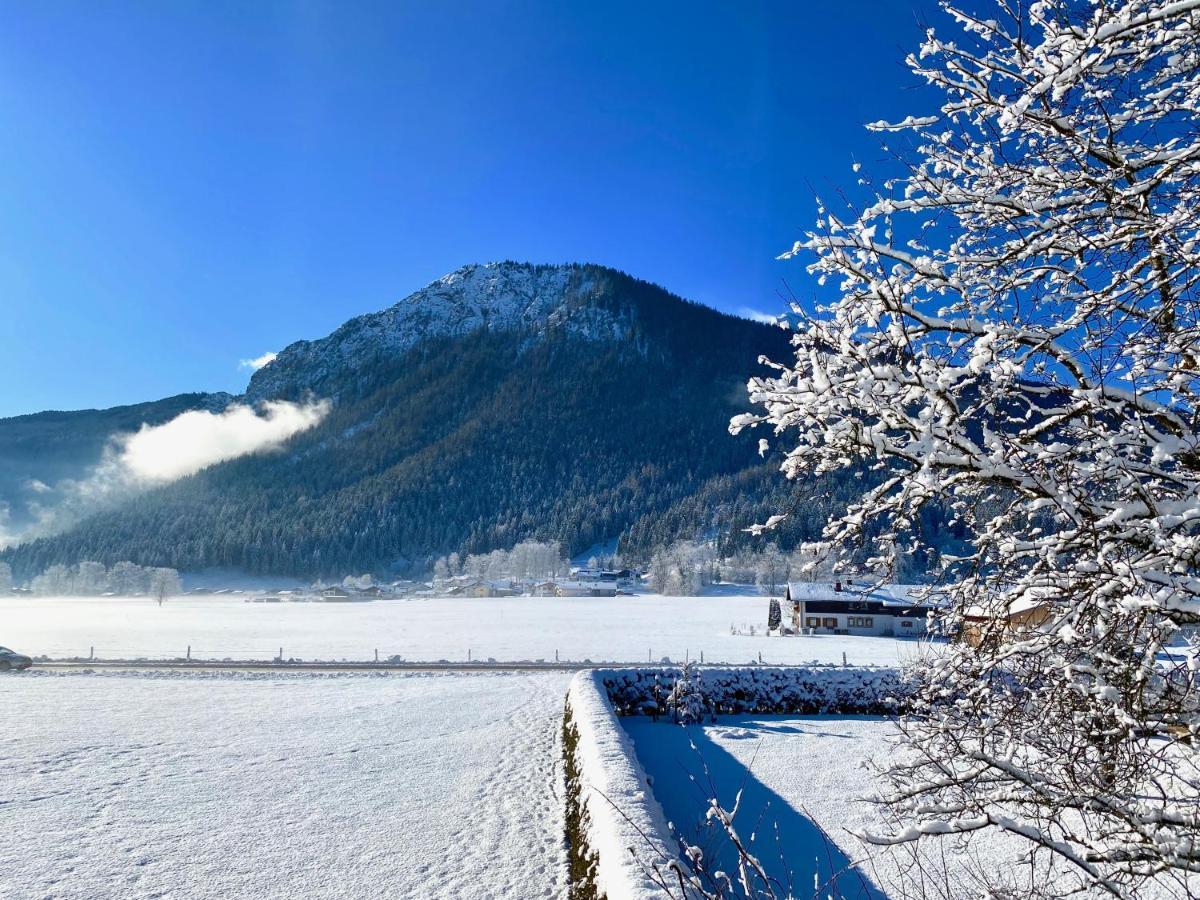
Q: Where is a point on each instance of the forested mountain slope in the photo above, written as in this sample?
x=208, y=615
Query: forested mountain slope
x=503, y=402
x=45, y=448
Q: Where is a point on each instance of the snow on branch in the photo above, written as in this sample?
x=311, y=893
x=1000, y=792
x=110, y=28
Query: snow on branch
x=1016, y=344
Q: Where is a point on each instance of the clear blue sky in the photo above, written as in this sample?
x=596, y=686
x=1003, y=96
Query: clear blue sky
x=186, y=185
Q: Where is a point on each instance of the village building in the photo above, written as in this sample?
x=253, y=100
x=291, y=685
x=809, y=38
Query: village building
x=586, y=589
x=1020, y=618
x=481, y=588
x=859, y=608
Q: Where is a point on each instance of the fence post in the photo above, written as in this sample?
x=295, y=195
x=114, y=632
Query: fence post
x=281, y=654
x=468, y=654
x=376, y=654
x=556, y=654
x=189, y=653
x=92, y=652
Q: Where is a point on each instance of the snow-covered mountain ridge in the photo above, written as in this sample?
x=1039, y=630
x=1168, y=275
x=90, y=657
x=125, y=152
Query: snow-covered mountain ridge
x=506, y=296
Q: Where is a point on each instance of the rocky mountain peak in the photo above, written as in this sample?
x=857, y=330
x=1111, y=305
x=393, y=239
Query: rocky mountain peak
x=503, y=296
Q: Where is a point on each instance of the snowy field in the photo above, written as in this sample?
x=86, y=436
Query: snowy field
x=811, y=776
x=618, y=629
x=794, y=771
x=281, y=786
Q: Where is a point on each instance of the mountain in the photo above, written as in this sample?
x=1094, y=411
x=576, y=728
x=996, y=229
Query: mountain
x=501, y=402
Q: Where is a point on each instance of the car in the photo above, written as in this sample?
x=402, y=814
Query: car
x=10, y=659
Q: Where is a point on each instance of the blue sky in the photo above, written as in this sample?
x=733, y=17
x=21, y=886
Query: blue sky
x=187, y=185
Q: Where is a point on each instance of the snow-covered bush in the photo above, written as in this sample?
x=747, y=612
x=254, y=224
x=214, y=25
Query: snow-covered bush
x=620, y=844
x=687, y=701
x=1016, y=337
x=799, y=690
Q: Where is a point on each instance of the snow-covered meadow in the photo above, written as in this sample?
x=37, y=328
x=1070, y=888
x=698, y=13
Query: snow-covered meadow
x=801, y=780
x=806, y=785
x=619, y=629
x=237, y=785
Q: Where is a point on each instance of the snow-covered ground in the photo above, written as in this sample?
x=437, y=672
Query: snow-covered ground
x=811, y=775
x=281, y=785
x=794, y=771
x=620, y=629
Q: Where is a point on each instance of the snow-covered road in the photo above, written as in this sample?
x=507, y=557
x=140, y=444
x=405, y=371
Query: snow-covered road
x=262, y=785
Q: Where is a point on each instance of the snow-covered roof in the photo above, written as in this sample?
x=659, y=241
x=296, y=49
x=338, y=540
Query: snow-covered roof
x=901, y=595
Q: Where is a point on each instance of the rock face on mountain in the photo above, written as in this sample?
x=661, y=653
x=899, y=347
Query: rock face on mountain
x=501, y=402
x=499, y=297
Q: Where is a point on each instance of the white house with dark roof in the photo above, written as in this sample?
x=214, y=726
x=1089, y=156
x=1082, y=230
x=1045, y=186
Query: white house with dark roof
x=859, y=607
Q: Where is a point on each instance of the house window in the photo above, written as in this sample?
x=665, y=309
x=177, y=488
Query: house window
x=812, y=622
x=861, y=622
x=906, y=624
x=829, y=623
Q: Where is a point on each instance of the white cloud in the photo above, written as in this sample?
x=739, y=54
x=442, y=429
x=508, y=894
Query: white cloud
x=157, y=454
x=766, y=318
x=258, y=362
x=193, y=440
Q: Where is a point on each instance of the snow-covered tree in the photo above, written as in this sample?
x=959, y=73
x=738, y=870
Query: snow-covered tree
x=1016, y=336
x=126, y=579
x=441, y=570
x=90, y=578
x=772, y=569
x=687, y=702
x=526, y=561
x=57, y=580
x=6, y=579
x=678, y=570
x=165, y=583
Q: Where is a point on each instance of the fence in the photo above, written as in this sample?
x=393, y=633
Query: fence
x=375, y=655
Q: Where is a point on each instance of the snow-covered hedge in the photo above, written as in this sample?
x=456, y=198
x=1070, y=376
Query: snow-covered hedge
x=809, y=690
x=614, y=825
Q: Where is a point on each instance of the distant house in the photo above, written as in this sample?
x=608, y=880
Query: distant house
x=488, y=589
x=611, y=577
x=859, y=608
x=1019, y=618
x=586, y=589
x=545, y=589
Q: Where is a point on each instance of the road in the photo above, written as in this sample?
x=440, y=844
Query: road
x=331, y=666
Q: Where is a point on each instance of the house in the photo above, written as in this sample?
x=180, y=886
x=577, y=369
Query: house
x=1019, y=618
x=586, y=589
x=489, y=589
x=859, y=608
x=544, y=589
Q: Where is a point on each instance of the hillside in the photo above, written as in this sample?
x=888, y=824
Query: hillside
x=502, y=402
